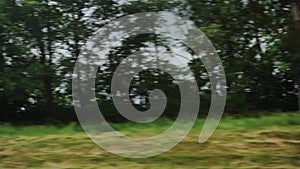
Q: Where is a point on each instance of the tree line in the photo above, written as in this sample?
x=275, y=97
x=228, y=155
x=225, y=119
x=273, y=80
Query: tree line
x=258, y=42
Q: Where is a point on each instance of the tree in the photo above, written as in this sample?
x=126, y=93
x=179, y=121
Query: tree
x=250, y=36
x=296, y=20
x=258, y=42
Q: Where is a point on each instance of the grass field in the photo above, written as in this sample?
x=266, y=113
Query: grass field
x=266, y=142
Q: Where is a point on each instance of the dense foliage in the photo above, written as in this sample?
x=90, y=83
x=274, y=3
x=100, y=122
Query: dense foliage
x=40, y=40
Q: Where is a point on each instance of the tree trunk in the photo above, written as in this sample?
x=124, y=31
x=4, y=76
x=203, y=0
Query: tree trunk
x=46, y=77
x=47, y=80
x=296, y=19
x=298, y=98
x=298, y=90
x=2, y=62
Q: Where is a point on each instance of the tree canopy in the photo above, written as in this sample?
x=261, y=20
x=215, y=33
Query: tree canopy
x=258, y=42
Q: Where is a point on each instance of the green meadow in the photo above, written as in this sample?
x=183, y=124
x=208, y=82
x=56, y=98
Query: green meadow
x=269, y=141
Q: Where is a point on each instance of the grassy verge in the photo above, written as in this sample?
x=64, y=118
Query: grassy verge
x=265, y=142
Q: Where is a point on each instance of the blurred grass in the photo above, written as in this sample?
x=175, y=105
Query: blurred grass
x=233, y=123
x=39, y=130
x=271, y=141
